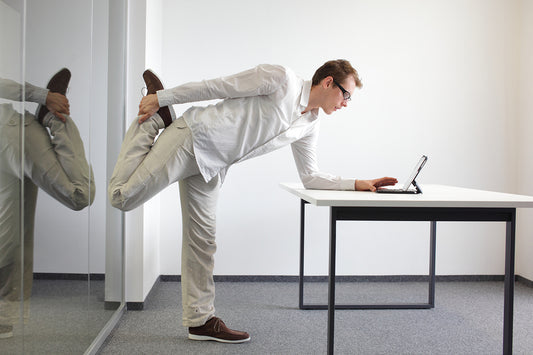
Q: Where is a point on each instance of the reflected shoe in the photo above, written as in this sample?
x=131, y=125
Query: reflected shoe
x=59, y=84
x=6, y=331
x=215, y=329
x=153, y=84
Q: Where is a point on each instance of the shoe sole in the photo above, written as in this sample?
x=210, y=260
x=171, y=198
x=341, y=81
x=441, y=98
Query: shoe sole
x=155, y=80
x=149, y=77
x=205, y=337
x=54, y=86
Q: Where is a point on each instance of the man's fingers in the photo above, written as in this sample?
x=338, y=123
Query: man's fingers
x=390, y=180
x=386, y=181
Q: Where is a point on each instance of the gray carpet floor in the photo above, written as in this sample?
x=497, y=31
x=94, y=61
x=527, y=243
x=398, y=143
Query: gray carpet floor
x=467, y=319
x=64, y=318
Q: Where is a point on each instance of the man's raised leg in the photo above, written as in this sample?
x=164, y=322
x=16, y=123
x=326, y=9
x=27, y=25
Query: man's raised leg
x=56, y=162
x=144, y=168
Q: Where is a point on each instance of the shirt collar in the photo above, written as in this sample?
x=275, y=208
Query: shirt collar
x=306, y=91
x=304, y=99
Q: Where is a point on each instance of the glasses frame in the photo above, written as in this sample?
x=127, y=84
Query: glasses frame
x=345, y=93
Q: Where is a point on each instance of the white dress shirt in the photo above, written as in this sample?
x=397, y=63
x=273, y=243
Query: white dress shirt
x=261, y=111
x=12, y=90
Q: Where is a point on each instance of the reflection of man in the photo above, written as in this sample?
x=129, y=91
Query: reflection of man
x=262, y=109
x=54, y=162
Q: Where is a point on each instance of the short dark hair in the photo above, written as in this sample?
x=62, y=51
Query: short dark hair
x=339, y=69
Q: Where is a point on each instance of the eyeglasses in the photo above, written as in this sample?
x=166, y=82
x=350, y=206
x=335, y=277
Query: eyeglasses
x=345, y=93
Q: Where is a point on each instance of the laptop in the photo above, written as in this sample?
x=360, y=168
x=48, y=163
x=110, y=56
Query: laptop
x=406, y=187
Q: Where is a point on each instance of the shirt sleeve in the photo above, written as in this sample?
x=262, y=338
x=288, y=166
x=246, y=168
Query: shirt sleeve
x=304, y=152
x=261, y=80
x=12, y=90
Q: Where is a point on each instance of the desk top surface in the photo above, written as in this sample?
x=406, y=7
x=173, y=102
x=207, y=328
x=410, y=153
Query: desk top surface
x=432, y=196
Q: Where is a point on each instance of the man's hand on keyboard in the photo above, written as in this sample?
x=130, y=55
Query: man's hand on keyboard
x=372, y=185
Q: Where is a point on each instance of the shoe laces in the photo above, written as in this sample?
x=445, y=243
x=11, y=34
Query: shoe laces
x=218, y=324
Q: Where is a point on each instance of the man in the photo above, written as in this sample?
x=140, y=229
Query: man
x=54, y=162
x=262, y=109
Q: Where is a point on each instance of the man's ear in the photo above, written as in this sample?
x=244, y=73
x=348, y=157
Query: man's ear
x=327, y=82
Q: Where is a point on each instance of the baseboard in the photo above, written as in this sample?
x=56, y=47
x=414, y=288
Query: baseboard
x=139, y=306
x=111, y=305
x=342, y=278
x=524, y=281
x=66, y=276
x=135, y=306
x=288, y=278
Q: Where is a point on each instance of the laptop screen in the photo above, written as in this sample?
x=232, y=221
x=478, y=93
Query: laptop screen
x=415, y=172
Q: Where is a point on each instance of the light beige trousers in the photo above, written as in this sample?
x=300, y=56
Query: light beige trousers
x=143, y=169
x=54, y=162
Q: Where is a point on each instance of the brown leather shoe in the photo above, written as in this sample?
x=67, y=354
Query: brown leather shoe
x=153, y=84
x=59, y=84
x=215, y=329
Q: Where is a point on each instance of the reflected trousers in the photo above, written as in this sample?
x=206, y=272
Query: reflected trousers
x=54, y=162
x=143, y=169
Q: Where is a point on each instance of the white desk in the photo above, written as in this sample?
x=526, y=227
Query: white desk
x=437, y=203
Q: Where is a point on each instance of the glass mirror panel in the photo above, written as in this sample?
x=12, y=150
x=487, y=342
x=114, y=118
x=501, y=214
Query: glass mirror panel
x=60, y=261
x=58, y=57
x=11, y=177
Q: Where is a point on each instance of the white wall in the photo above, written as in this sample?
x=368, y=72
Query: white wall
x=152, y=207
x=116, y=79
x=11, y=20
x=141, y=240
x=525, y=151
x=97, y=151
x=69, y=241
x=439, y=79
x=141, y=235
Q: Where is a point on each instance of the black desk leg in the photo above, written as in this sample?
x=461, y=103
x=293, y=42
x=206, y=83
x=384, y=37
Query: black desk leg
x=302, y=252
x=432, y=255
x=331, y=291
x=509, y=285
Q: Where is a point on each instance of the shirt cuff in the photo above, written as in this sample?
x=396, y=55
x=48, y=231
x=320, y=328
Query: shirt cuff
x=36, y=94
x=164, y=97
x=347, y=184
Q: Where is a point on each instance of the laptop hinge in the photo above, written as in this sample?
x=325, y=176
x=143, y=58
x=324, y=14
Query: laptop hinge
x=417, y=187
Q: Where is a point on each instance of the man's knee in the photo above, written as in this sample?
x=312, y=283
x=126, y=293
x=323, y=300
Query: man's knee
x=116, y=199
x=81, y=198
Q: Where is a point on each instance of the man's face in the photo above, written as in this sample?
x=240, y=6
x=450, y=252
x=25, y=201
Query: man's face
x=334, y=96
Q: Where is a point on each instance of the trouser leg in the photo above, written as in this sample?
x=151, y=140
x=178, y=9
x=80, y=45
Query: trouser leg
x=56, y=162
x=9, y=297
x=198, y=205
x=11, y=224
x=144, y=168
x=16, y=277
x=30, y=204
